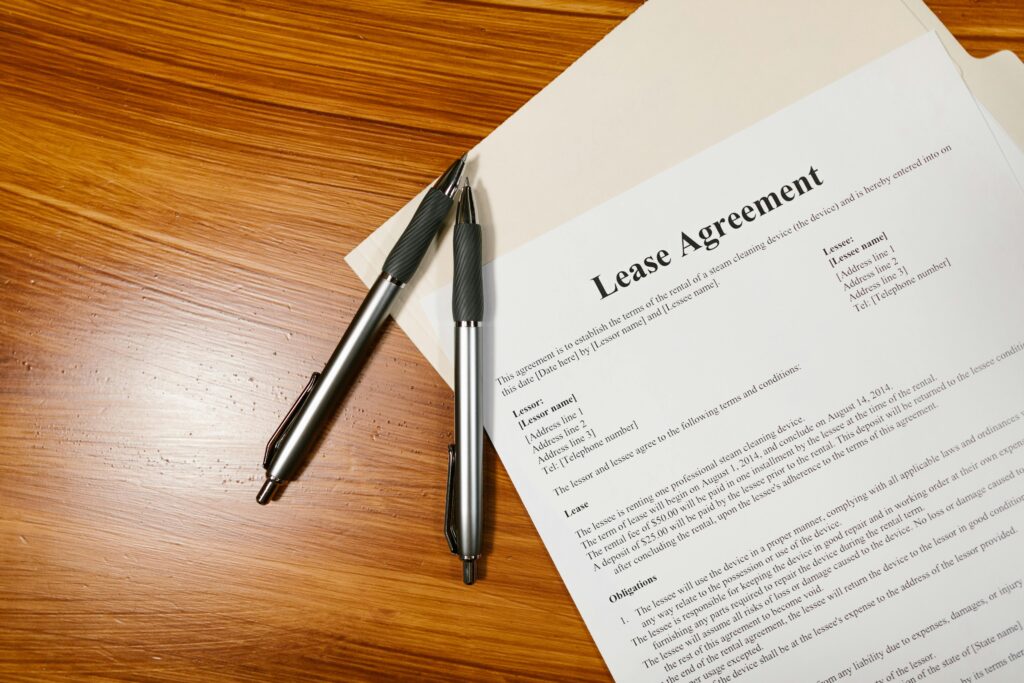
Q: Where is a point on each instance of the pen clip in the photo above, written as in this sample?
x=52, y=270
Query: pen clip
x=450, y=498
x=282, y=428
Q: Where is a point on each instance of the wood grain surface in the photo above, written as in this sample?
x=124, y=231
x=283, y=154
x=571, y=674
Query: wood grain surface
x=179, y=181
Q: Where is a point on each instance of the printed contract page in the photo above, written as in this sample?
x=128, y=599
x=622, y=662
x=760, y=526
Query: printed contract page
x=766, y=409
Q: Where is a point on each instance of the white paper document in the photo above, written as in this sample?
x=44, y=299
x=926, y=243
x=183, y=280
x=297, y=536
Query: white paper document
x=766, y=409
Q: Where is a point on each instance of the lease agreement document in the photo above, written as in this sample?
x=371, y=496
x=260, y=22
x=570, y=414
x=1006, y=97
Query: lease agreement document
x=766, y=409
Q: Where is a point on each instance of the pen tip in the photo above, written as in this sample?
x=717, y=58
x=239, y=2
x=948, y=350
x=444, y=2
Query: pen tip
x=469, y=572
x=449, y=180
x=465, y=212
x=267, y=492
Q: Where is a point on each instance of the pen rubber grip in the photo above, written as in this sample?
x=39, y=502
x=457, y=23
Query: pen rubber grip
x=405, y=256
x=468, y=286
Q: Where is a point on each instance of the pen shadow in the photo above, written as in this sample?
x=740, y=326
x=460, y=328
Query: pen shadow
x=490, y=506
x=488, y=344
x=486, y=221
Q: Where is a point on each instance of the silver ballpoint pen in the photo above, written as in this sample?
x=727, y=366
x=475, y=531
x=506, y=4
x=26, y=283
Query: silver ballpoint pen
x=298, y=432
x=463, y=511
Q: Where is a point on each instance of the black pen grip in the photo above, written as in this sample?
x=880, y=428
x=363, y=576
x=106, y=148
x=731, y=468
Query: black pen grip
x=405, y=256
x=468, y=286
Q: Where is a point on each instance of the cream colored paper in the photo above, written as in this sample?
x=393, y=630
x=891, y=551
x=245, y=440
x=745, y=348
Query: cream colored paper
x=671, y=80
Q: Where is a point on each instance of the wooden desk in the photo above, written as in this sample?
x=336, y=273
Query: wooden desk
x=178, y=184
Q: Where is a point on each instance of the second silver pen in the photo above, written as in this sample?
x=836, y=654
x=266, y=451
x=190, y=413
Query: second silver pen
x=464, y=514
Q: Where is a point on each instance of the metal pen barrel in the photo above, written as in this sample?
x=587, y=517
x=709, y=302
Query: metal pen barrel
x=469, y=437
x=334, y=381
x=301, y=427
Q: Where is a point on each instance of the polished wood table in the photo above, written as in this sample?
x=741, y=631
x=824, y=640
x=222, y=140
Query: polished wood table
x=178, y=184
